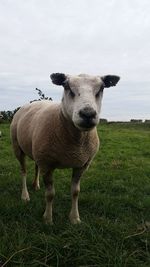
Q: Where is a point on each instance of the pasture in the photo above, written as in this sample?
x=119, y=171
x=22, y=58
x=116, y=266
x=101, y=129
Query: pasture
x=114, y=206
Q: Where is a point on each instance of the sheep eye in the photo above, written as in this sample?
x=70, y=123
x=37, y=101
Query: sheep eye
x=67, y=88
x=100, y=90
x=72, y=94
x=98, y=94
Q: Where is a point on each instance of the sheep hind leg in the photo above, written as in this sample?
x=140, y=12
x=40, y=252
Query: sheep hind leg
x=25, y=193
x=75, y=189
x=21, y=158
x=49, y=196
x=36, y=183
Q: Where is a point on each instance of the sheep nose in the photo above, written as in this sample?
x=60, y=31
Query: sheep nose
x=87, y=113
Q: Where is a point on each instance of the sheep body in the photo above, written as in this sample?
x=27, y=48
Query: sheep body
x=40, y=130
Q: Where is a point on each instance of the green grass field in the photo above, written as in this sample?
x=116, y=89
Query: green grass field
x=114, y=206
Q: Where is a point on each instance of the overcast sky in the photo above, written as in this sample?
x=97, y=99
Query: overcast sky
x=100, y=37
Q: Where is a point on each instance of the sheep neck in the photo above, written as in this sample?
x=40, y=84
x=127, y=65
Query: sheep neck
x=73, y=132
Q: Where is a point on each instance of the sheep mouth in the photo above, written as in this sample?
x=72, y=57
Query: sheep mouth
x=86, y=125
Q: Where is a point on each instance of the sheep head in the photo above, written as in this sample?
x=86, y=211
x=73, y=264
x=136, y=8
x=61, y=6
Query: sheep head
x=82, y=98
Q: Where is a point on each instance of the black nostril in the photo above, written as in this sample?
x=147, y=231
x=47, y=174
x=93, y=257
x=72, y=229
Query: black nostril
x=87, y=113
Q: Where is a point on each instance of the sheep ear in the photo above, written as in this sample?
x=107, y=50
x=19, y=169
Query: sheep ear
x=110, y=80
x=58, y=78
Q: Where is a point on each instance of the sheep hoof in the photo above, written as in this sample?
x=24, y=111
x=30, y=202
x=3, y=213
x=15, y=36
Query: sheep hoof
x=75, y=220
x=36, y=187
x=25, y=197
x=47, y=220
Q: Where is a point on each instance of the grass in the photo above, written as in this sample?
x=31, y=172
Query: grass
x=114, y=205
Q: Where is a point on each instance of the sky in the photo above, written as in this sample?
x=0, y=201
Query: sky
x=96, y=37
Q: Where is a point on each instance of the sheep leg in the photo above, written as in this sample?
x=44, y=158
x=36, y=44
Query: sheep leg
x=25, y=194
x=49, y=195
x=75, y=189
x=21, y=158
x=36, y=183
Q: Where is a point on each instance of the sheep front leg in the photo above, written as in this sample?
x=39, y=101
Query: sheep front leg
x=49, y=195
x=75, y=189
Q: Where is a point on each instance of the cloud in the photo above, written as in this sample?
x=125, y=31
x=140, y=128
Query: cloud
x=96, y=37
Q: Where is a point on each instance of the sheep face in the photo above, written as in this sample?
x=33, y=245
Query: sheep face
x=81, y=102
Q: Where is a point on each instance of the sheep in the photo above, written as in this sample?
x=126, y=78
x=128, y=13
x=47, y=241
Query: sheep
x=60, y=135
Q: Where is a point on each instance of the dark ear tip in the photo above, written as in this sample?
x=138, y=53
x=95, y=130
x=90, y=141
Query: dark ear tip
x=118, y=78
x=57, y=75
x=114, y=77
x=110, y=80
x=52, y=75
x=58, y=78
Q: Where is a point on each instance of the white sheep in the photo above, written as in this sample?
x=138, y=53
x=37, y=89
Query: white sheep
x=61, y=135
